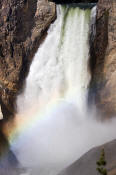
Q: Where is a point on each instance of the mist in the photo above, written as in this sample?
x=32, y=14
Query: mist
x=60, y=138
x=54, y=125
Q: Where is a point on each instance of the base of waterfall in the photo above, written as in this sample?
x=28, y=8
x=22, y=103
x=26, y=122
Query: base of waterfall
x=56, y=142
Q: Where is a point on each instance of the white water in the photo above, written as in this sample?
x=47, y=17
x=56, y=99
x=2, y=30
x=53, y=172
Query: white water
x=57, y=89
x=60, y=65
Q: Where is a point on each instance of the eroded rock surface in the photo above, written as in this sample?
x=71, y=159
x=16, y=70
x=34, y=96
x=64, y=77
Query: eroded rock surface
x=103, y=61
x=23, y=24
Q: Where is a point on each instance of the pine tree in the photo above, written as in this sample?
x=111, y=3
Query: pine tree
x=101, y=163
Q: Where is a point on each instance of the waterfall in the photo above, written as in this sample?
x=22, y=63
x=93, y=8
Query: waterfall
x=59, y=71
x=53, y=126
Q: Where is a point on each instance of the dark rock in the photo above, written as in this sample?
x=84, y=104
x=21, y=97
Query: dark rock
x=9, y=164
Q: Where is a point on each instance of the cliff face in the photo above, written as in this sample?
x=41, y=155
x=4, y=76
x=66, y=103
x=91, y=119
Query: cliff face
x=103, y=61
x=23, y=24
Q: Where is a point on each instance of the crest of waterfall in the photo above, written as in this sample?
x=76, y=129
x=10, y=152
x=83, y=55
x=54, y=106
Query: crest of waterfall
x=54, y=127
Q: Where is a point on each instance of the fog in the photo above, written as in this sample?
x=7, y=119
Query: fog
x=54, y=125
x=61, y=138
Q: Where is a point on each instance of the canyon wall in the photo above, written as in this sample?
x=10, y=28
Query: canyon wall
x=103, y=60
x=23, y=25
x=86, y=165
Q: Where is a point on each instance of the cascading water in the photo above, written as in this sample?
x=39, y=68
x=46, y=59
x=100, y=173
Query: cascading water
x=60, y=70
x=53, y=127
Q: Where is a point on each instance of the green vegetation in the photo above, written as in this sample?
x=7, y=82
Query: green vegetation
x=101, y=163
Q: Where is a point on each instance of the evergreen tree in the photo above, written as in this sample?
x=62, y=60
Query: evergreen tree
x=101, y=163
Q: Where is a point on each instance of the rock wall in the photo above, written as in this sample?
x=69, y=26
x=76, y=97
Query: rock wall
x=103, y=60
x=23, y=25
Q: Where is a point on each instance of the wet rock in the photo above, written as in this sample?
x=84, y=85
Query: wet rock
x=103, y=59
